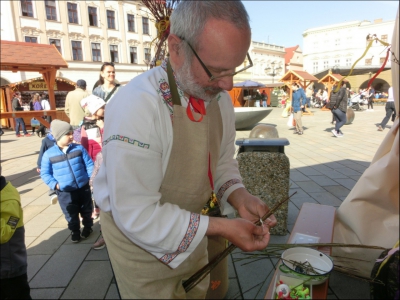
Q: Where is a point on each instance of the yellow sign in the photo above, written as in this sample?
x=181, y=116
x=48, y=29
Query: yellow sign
x=40, y=86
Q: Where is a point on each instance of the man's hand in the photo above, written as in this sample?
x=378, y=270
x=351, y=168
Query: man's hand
x=38, y=170
x=57, y=187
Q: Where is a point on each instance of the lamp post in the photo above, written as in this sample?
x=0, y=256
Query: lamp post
x=274, y=71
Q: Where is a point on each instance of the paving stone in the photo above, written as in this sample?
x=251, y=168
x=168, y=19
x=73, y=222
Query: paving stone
x=346, y=182
x=26, y=200
x=39, y=224
x=338, y=190
x=293, y=212
x=308, y=171
x=292, y=184
x=346, y=287
x=310, y=186
x=61, y=267
x=35, y=262
x=323, y=180
x=60, y=222
x=348, y=171
x=326, y=198
x=112, y=292
x=299, y=193
x=31, y=211
x=333, y=174
x=298, y=176
x=298, y=202
x=29, y=240
x=356, y=178
x=49, y=241
x=101, y=254
x=49, y=293
x=94, y=274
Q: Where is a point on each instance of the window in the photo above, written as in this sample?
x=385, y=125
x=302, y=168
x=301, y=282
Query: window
x=147, y=54
x=96, y=52
x=27, y=10
x=114, y=53
x=72, y=13
x=348, y=62
x=368, y=61
x=145, y=23
x=92, y=16
x=326, y=64
x=77, y=50
x=384, y=37
x=56, y=43
x=337, y=62
x=133, y=51
x=131, y=23
x=51, y=12
x=337, y=42
x=111, y=19
x=315, y=67
x=31, y=39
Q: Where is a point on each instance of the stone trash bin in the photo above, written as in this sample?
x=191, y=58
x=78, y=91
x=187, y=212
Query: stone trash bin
x=265, y=171
x=349, y=116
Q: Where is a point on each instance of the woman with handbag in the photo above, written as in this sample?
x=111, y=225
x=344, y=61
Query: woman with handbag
x=36, y=106
x=108, y=87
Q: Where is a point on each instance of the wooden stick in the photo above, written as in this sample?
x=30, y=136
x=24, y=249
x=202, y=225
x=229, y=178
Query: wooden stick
x=203, y=272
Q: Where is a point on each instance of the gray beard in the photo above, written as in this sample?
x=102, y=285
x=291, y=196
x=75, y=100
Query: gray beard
x=188, y=84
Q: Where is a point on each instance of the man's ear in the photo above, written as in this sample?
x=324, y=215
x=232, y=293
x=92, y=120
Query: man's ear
x=174, y=50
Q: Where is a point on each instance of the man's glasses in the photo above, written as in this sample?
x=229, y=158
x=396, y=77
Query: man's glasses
x=211, y=76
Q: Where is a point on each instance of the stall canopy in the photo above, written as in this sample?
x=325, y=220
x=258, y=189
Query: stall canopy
x=32, y=57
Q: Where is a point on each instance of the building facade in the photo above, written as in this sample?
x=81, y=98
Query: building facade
x=293, y=58
x=86, y=33
x=268, y=63
x=340, y=45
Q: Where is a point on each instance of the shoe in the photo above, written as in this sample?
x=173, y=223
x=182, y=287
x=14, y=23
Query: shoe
x=100, y=244
x=339, y=135
x=54, y=199
x=334, y=132
x=295, y=132
x=96, y=213
x=380, y=128
x=75, y=236
x=86, y=231
x=1, y=132
x=300, y=132
x=18, y=135
x=27, y=134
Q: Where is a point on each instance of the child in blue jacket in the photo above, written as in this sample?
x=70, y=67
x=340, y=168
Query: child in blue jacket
x=66, y=168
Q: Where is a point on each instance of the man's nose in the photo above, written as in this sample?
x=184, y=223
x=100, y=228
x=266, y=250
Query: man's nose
x=226, y=83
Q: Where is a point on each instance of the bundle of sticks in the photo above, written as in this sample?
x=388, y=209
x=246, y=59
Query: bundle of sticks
x=161, y=11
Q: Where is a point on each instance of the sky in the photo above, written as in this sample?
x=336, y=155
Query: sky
x=282, y=23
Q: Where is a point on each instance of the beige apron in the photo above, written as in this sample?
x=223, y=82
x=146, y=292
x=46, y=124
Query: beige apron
x=138, y=273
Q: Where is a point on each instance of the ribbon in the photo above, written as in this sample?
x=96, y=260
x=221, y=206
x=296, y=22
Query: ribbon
x=380, y=70
x=365, y=52
x=386, y=258
x=162, y=27
x=198, y=106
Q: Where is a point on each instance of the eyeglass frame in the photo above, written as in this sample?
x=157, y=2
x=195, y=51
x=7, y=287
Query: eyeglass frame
x=211, y=76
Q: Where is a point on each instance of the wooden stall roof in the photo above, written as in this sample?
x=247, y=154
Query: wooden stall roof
x=15, y=84
x=301, y=75
x=335, y=77
x=20, y=56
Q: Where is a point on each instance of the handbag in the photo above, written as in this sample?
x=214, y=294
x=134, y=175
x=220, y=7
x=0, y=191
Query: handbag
x=34, y=122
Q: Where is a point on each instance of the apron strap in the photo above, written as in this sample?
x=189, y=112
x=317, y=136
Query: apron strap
x=176, y=100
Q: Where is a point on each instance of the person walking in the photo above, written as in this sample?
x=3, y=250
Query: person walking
x=264, y=98
x=107, y=87
x=14, y=260
x=371, y=96
x=73, y=107
x=299, y=100
x=19, y=122
x=390, y=110
x=45, y=106
x=338, y=105
x=66, y=168
x=37, y=106
x=167, y=144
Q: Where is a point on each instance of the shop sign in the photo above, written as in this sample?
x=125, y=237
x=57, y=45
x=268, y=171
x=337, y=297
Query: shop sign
x=40, y=86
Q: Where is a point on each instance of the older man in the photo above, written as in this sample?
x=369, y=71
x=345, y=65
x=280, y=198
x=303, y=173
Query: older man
x=73, y=108
x=168, y=148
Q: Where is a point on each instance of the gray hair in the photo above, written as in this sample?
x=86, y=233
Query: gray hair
x=189, y=18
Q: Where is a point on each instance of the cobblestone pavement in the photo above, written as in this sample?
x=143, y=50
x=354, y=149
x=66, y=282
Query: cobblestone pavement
x=323, y=170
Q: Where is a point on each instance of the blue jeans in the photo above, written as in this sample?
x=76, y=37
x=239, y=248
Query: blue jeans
x=264, y=103
x=20, y=122
x=340, y=118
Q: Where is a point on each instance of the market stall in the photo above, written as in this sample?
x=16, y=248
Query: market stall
x=329, y=81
